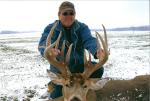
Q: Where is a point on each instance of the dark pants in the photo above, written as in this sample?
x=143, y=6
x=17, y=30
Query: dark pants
x=58, y=88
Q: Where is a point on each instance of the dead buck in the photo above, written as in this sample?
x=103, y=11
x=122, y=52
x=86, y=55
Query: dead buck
x=136, y=89
x=75, y=85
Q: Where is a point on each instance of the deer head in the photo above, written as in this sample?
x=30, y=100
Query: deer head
x=75, y=85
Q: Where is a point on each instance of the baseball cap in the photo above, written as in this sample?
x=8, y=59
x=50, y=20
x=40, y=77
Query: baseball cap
x=66, y=5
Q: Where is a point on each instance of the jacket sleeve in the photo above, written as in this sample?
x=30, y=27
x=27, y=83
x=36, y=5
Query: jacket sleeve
x=42, y=42
x=89, y=42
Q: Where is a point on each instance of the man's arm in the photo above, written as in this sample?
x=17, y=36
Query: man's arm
x=89, y=42
x=42, y=42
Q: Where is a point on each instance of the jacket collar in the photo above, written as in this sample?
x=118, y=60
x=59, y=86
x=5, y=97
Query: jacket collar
x=75, y=25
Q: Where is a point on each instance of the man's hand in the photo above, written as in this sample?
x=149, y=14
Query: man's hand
x=100, y=54
x=55, y=52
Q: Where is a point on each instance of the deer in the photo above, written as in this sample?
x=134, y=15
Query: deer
x=76, y=86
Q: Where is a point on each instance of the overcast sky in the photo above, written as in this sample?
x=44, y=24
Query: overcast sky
x=36, y=14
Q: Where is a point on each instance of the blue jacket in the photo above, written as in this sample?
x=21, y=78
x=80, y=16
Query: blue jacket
x=80, y=37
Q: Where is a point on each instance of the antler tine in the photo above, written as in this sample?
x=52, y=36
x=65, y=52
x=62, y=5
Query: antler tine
x=105, y=47
x=94, y=67
x=68, y=58
x=85, y=59
x=48, y=41
x=62, y=49
x=57, y=41
x=87, y=63
x=105, y=36
x=49, y=55
x=89, y=56
x=68, y=54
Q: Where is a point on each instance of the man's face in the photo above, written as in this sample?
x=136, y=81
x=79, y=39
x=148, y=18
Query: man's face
x=67, y=17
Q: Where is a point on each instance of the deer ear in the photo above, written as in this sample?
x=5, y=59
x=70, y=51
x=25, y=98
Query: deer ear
x=55, y=78
x=97, y=84
x=51, y=74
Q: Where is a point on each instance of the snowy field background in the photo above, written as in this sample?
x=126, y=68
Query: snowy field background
x=23, y=70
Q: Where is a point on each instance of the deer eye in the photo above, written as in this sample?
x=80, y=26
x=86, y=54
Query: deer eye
x=84, y=86
x=67, y=85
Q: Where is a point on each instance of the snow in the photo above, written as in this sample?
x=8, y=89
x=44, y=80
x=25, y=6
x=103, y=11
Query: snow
x=23, y=70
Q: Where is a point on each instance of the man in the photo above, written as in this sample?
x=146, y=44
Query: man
x=74, y=32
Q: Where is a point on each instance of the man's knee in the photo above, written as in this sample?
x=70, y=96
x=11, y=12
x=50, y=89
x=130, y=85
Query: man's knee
x=98, y=73
x=57, y=92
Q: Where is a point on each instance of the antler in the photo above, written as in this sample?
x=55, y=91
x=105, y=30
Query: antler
x=89, y=67
x=61, y=65
x=75, y=85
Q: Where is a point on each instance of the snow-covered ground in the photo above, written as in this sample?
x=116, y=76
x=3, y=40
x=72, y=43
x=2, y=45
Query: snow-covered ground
x=23, y=70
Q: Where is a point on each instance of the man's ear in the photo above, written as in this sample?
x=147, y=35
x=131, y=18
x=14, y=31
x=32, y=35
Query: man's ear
x=58, y=13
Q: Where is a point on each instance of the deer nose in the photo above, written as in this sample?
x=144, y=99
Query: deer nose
x=75, y=99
